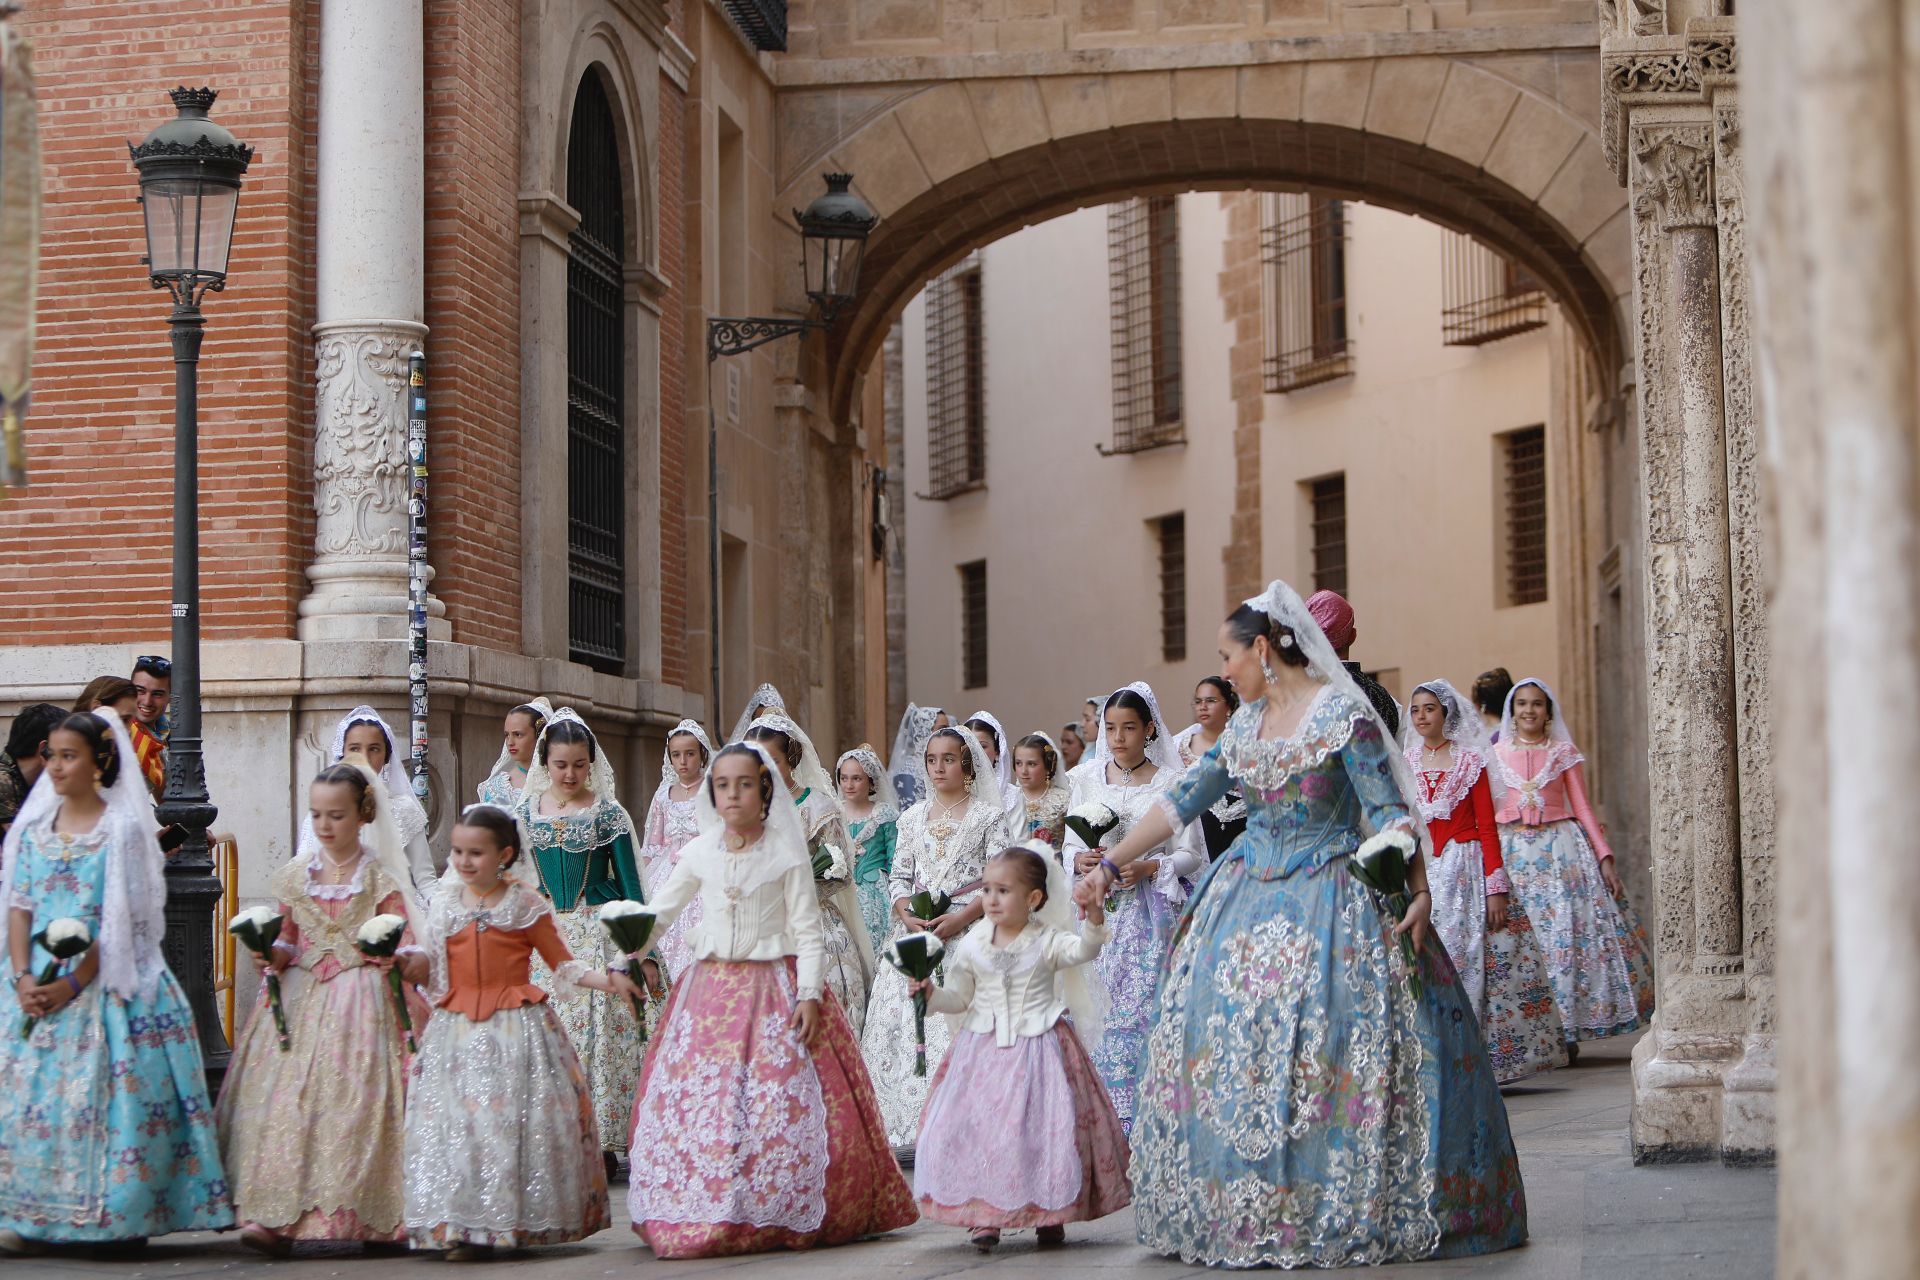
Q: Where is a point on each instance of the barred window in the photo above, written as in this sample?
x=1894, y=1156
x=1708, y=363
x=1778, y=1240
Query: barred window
x=1327, y=499
x=1485, y=295
x=1304, y=251
x=596, y=379
x=1523, y=464
x=973, y=625
x=1143, y=259
x=956, y=383
x=1171, y=532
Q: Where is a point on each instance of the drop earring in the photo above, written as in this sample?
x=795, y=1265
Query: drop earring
x=1266, y=671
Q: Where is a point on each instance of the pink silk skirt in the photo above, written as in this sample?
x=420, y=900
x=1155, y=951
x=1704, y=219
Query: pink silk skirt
x=1024, y=1136
x=744, y=1140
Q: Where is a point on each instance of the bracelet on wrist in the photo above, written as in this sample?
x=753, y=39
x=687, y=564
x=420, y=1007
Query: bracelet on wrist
x=1110, y=867
x=73, y=981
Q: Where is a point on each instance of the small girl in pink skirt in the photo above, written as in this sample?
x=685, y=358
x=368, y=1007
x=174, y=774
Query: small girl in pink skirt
x=1018, y=1131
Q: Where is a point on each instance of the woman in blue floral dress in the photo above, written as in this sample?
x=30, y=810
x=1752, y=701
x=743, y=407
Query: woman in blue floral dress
x=106, y=1135
x=1300, y=1104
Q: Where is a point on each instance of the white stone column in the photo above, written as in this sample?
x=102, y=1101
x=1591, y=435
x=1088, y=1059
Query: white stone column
x=370, y=223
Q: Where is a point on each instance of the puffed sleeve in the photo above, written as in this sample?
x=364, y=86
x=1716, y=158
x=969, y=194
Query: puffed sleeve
x=906, y=858
x=805, y=931
x=1576, y=780
x=955, y=995
x=1487, y=831
x=1371, y=772
x=1196, y=792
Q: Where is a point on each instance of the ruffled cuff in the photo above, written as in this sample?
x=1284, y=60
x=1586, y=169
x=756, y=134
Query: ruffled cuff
x=566, y=979
x=280, y=944
x=812, y=991
x=1498, y=882
x=1166, y=880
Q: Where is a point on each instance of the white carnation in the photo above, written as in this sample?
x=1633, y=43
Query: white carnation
x=1093, y=813
x=621, y=908
x=838, y=868
x=1369, y=853
x=68, y=930
x=381, y=928
x=253, y=917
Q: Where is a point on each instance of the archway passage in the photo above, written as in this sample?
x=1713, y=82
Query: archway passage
x=1579, y=253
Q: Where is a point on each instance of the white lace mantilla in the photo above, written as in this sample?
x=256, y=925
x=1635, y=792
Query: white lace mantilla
x=1453, y=789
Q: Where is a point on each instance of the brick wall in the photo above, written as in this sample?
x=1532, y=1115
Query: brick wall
x=88, y=545
x=673, y=418
x=473, y=309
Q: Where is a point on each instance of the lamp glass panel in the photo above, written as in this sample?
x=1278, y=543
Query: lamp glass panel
x=189, y=226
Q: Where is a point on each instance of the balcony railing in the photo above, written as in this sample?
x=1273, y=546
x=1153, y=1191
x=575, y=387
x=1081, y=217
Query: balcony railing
x=764, y=22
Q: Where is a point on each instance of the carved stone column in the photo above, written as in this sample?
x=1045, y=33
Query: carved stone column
x=1704, y=1077
x=370, y=220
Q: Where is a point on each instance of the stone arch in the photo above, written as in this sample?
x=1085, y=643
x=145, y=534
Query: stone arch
x=953, y=165
x=597, y=51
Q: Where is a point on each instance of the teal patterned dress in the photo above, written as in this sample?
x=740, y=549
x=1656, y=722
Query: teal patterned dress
x=1299, y=1105
x=105, y=1128
x=585, y=860
x=875, y=835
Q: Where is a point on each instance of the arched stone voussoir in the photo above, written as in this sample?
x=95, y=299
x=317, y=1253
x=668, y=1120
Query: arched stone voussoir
x=927, y=225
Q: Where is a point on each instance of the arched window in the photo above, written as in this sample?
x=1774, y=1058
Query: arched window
x=596, y=382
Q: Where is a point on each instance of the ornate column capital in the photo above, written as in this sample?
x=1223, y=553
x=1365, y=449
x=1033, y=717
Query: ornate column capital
x=1675, y=175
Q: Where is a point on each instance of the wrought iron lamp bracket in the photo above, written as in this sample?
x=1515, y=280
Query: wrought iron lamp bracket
x=730, y=336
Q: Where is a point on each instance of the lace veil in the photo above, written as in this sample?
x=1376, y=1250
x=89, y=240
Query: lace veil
x=1162, y=752
x=1003, y=771
x=908, y=765
x=1466, y=731
x=1562, y=754
x=688, y=728
x=382, y=838
x=984, y=788
x=543, y=705
x=765, y=698
x=1283, y=605
x=599, y=776
x=133, y=904
x=886, y=801
x=408, y=816
x=782, y=848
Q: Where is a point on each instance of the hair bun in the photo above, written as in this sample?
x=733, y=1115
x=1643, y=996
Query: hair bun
x=865, y=746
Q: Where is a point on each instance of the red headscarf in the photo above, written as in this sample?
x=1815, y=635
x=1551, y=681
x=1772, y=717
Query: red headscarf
x=1335, y=616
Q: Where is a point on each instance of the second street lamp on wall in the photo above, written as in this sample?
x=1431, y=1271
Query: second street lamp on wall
x=833, y=238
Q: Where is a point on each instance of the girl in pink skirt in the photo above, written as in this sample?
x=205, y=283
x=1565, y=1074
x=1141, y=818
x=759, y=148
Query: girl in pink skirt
x=1018, y=1130
x=755, y=1125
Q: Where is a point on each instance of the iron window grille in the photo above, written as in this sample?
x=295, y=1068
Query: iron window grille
x=1143, y=257
x=956, y=383
x=1172, y=531
x=596, y=381
x=973, y=625
x=1484, y=295
x=1304, y=252
x=1328, y=499
x=1524, y=462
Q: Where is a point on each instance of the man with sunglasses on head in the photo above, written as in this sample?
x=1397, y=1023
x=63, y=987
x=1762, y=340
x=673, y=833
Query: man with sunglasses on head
x=153, y=682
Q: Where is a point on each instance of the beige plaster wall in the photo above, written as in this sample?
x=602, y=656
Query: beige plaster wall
x=1073, y=603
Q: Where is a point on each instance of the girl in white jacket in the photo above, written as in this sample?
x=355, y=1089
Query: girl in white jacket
x=1018, y=1129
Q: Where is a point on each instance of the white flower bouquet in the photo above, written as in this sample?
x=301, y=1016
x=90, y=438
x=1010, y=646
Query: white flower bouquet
x=1384, y=864
x=630, y=925
x=63, y=939
x=380, y=938
x=830, y=862
x=257, y=928
x=916, y=956
x=1093, y=822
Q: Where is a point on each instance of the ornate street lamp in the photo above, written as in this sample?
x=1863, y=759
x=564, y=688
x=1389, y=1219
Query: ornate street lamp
x=833, y=237
x=190, y=170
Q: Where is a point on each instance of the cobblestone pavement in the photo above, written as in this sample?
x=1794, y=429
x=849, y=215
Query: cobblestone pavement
x=1593, y=1216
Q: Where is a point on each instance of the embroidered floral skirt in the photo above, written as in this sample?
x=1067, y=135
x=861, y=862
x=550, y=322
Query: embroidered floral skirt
x=1299, y=1105
x=105, y=1128
x=887, y=1044
x=312, y=1135
x=601, y=1026
x=1593, y=949
x=1503, y=974
x=745, y=1141
x=501, y=1148
x=1023, y=1136
x=1140, y=932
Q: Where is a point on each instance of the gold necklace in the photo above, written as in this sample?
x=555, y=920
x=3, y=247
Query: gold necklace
x=948, y=810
